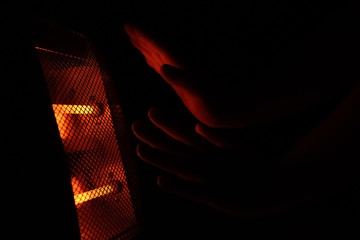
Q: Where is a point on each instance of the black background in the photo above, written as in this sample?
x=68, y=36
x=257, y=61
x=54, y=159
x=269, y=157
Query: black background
x=242, y=40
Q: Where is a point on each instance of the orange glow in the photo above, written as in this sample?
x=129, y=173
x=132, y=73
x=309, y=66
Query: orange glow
x=92, y=194
x=63, y=114
x=74, y=109
x=60, y=120
x=83, y=115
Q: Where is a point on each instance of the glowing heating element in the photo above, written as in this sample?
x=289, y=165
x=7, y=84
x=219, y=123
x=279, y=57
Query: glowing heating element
x=92, y=194
x=75, y=109
x=91, y=127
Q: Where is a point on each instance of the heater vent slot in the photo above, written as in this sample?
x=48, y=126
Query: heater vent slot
x=77, y=85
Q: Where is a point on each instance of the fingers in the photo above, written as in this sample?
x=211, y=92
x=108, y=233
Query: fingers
x=178, y=78
x=185, y=168
x=177, y=129
x=170, y=134
x=154, y=137
x=172, y=146
x=216, y=137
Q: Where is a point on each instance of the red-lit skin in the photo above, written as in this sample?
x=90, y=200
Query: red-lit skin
x=210, y=101
x=205, y=165
x=156, y=57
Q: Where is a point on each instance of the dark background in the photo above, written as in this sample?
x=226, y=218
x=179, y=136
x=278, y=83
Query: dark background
x=246, y=40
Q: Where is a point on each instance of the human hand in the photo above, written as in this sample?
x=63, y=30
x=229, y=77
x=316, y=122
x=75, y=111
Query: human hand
x=241, y=182
x=210, y=100
x=196, y=171
x=196, y=92
x=198, y=174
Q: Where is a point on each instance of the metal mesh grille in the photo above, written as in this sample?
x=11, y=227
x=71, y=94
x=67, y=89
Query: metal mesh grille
x=85, y=122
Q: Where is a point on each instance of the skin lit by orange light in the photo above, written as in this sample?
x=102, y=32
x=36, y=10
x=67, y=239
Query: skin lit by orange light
x=74, y=109
x=92, y=194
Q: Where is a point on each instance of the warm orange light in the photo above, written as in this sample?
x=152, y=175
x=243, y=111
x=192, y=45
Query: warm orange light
x=74, y=109
x=63, y=114
x=92, y=194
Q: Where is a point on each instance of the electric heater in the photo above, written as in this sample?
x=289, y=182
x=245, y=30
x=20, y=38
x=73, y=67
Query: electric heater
x=91, y=127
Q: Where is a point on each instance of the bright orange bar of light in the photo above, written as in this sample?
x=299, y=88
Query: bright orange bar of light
x=92, y=194
x=74, y=109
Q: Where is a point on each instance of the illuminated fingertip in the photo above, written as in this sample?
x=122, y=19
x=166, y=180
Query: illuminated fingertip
x=136, y=128
x=138, y=150
x=145, y=152
x=203, y=131
x=160, y=180
x=163, y=183
x=141, y=149
x=152, y=109
x=199, y=128
x=133, y=126
x=153, y=113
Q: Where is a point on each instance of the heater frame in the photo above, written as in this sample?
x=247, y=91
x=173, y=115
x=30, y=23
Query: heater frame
x=41, y=192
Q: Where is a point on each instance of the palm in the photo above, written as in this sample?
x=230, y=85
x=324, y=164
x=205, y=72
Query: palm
x=214, y=104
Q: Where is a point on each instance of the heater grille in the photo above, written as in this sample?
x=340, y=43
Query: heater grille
x=86, y=114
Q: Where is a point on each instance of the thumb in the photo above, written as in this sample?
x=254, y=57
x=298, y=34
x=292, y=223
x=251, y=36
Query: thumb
x=177, y=78
x=218, y=137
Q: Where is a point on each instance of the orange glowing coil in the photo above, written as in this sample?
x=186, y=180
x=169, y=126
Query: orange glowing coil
x=92, y=194
x=74, y=109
